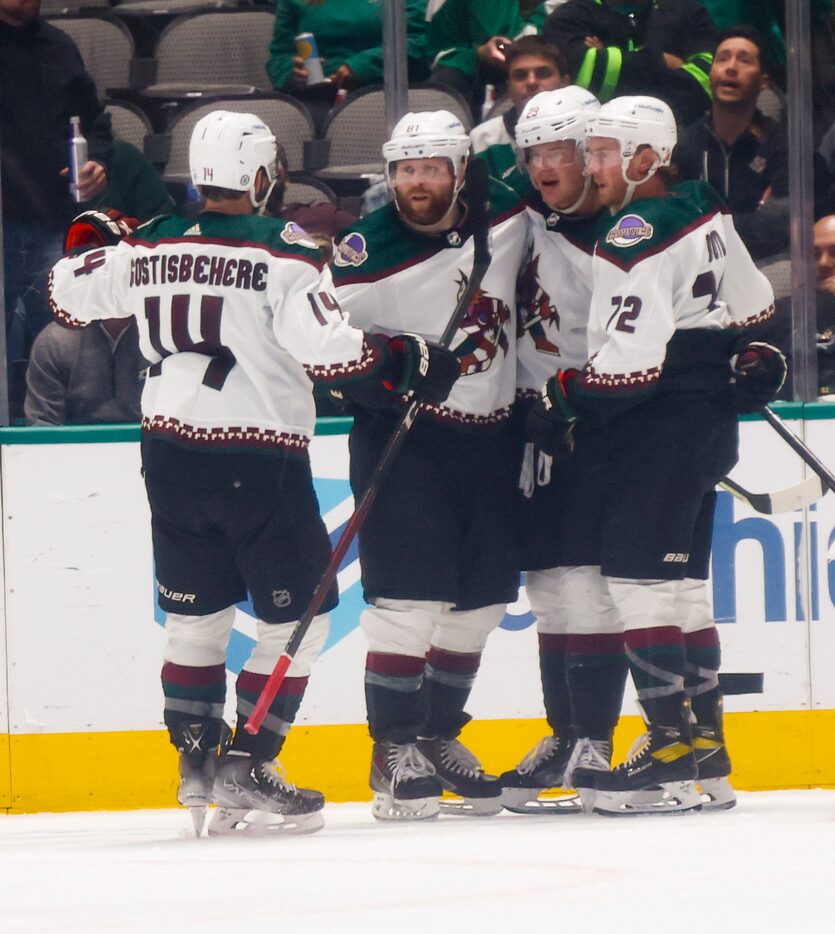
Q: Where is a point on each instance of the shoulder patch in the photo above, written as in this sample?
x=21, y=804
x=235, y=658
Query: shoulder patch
x=629, y=230
x=351, y=250
x=292, y=233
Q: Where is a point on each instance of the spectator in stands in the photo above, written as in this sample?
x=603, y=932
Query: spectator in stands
x=85, y=376
x=662, y=48
x=533, y=65
x=742, y=153
x=42, y=84
x=134, y=186
x=349, y=39
x=466, y=41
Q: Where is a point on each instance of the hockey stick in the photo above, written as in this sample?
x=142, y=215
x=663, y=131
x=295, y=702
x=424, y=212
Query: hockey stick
x=799, y=496
x=826, y=476
x=477, y=190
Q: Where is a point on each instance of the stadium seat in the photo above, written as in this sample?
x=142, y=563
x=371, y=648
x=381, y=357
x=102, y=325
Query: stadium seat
x=61, y=7
x=302, y=189
x=106, y=46
x=129, y=123
x=778, y=270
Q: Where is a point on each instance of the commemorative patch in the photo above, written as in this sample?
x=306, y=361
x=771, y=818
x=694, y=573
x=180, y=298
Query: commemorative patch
x=351, y=251
x=292, y=233
x=631, y=229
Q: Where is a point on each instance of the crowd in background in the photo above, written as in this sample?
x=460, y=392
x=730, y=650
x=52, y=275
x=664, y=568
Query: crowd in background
x=720, y=64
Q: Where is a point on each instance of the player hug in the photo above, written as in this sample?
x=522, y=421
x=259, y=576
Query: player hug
x=574, y=428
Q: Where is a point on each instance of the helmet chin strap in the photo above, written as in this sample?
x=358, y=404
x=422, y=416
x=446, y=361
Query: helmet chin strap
x=632, y=185
x=580, y=200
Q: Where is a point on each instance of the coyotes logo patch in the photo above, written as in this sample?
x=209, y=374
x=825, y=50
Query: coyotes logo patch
x=537, y=313
x=484, y=330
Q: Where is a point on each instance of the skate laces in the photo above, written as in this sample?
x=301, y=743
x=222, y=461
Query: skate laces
x=458, y=758
x=407, y=762
x=543, y=750
x=275, y=774
x=636, y=750
x=588, y=754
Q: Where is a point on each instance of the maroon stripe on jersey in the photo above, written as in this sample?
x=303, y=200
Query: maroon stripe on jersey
x=550, y=643
x=702, y=638
x=627, y=264
x=179, y=322
x=389, y=270
x=193, y=677
x=599, y=643
x=655, y=635
x=152, y=317
x=210, y=309
x=384, y=663
x=506, y=215
x=460, y=662
x=249, y=682
x=218, y=241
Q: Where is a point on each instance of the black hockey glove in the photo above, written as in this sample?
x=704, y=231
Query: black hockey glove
x=93, y=229
x=551, y=421
x=423, y=370
x=759, y=373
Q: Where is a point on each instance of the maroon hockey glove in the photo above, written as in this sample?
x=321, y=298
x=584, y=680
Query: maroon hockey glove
x=93, y=229
x=424, y=370
x=551, y=420
x=759, y=373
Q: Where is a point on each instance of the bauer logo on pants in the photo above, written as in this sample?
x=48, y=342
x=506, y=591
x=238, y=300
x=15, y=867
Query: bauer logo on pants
x=630, y=230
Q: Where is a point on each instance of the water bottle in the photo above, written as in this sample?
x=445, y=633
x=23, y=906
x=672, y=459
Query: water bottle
x=78, y=156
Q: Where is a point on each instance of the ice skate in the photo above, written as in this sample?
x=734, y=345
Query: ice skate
x=659, y=778
x=461, y=773
x=404, y=783
x=542, y=769
x=199, y=745
x=587, y=757
x=714, y=766
x=252, y=795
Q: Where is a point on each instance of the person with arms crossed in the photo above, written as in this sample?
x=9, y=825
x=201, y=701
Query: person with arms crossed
x=437, y=566
x=236, y=317
x=670, y=366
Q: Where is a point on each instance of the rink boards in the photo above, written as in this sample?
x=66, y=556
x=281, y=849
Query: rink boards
x=80, y=696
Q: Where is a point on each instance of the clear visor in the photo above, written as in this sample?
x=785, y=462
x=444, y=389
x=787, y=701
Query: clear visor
x=554, y=155
x=434, y=170
x=597, y=158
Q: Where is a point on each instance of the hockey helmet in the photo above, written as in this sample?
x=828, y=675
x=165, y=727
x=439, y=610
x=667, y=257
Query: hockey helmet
x=228, y=148
x=428, y=135
x=552, y=116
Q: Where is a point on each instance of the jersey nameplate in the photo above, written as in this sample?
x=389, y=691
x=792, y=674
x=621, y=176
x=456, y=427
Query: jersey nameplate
x=631, y=229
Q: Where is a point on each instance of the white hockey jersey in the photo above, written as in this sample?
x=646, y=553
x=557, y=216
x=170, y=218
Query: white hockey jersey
x=236, y=316
x=673, y=284
x=391, y=279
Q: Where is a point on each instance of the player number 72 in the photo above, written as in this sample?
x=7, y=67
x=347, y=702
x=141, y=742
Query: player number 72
x=626, y=310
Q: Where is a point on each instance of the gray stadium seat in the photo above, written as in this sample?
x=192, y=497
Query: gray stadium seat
x=106, y=46
x=59, y=7
x=129, y=123
x=305, y=190
x=287, y=118
x=215, y=49
x=356, y=131
x=778, y=270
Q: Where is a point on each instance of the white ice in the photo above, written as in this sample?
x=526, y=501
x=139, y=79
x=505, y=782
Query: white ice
x=767, y=866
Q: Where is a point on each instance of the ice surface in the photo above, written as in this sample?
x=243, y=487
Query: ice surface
x=767, y=866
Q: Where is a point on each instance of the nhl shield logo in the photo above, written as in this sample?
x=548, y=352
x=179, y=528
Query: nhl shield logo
x=282, y=598
x=631, y=229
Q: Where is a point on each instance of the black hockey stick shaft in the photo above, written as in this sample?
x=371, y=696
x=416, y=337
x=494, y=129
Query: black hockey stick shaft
x=799, y=447
x=477, y=196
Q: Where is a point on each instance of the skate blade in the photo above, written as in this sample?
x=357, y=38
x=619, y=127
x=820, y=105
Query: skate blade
x=717, y=794
x=234, y=821
x=472, y=807
x=666, y=798
x=198, y=813
x=531, y=801
x=386, y=808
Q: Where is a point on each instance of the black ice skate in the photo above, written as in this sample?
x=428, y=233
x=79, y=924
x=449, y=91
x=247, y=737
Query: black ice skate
x=199, y=744
x=587, y=757
x=543, y=768
x=404, y=783
x=659, y=778
x=253, y=795
x=461, y=773
x=714, y=766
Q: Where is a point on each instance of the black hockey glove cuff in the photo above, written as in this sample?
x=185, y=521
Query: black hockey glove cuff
x=424, y=370
x=551, y=420
x=759, y=371
x=93, y=229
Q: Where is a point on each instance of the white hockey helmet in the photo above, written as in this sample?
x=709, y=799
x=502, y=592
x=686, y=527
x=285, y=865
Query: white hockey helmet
x=552, y=116
x=428, y=135
x=228, y=148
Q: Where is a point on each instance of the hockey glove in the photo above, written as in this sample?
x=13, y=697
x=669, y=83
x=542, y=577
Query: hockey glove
x=759, y=373
x=551, y=421
x=423, y=370
x=93, y=229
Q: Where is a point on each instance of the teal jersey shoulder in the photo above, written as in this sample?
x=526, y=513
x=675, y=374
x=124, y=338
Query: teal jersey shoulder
x=273, y=233
x=649, y=225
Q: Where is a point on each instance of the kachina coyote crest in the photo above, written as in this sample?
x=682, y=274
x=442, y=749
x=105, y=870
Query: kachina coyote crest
x=484, y=330
x=537, y=312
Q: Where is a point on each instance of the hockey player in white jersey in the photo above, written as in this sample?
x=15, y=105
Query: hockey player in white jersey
x=438, y=567
x=582, y=665
x=236, y=316
x=669, y=368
